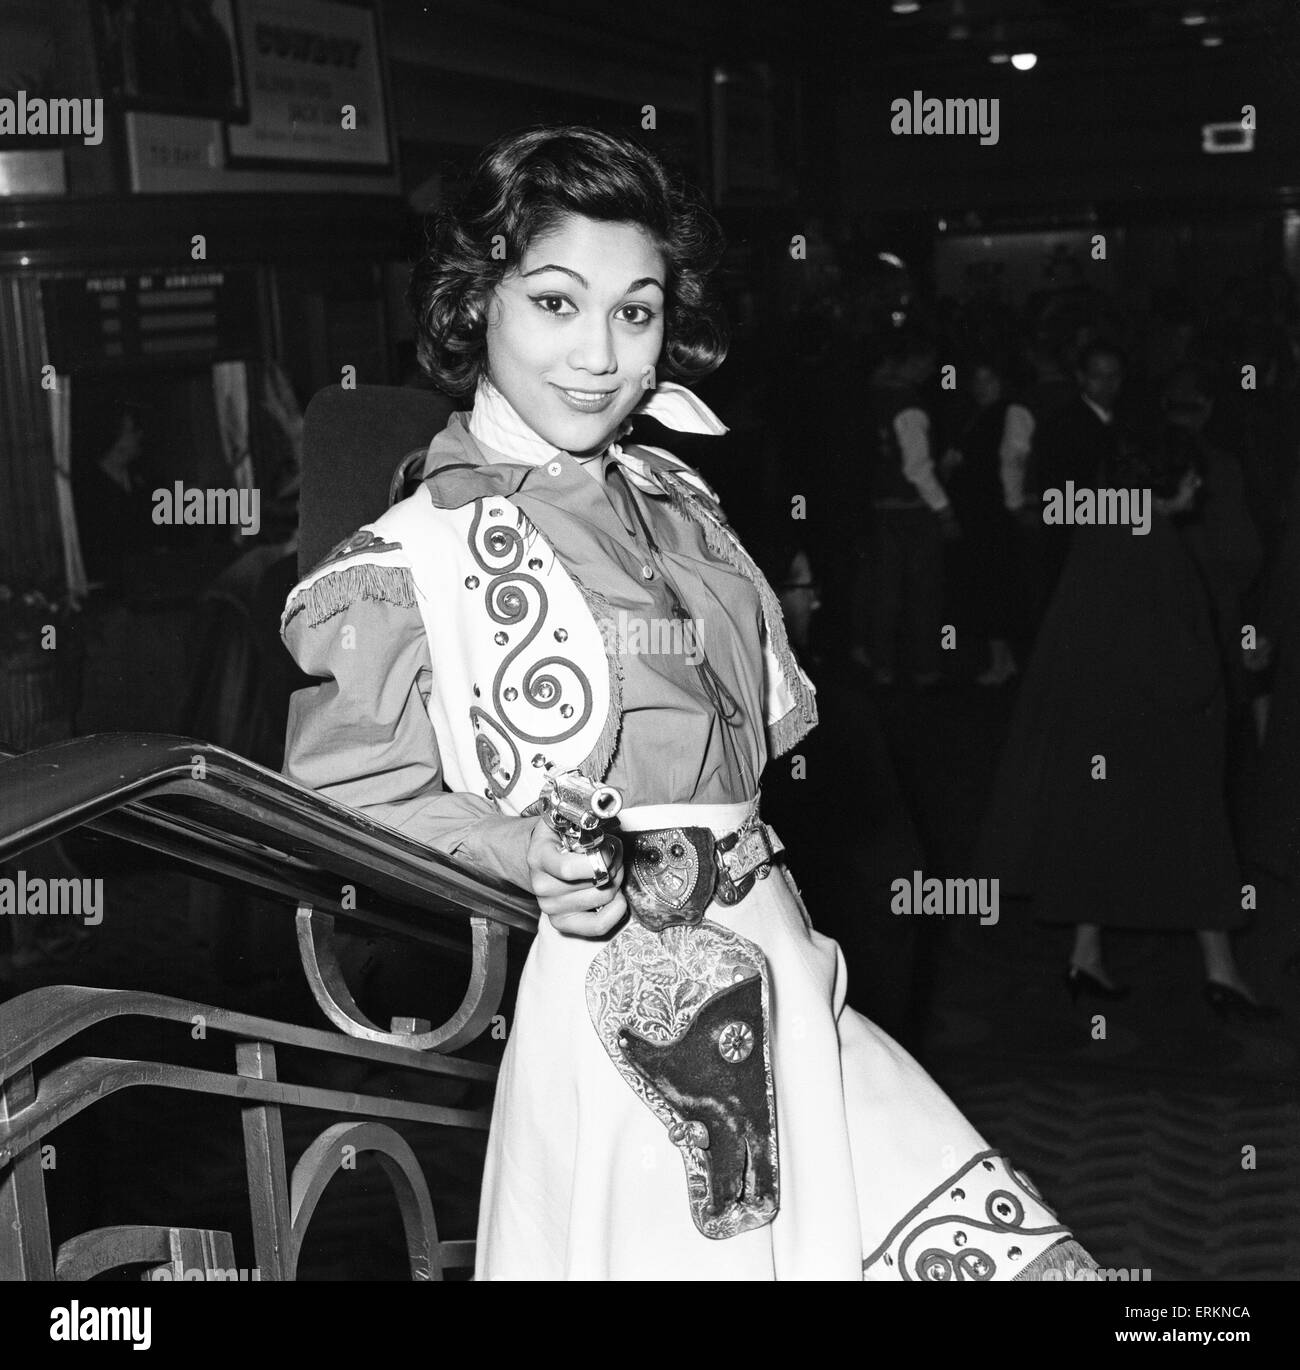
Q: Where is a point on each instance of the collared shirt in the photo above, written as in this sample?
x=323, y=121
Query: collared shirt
x=689, y=634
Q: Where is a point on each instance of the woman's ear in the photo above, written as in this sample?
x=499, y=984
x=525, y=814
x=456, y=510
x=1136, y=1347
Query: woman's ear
x=492, y=310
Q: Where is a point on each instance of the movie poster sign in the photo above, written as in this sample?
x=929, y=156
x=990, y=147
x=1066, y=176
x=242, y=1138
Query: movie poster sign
x=315, y=87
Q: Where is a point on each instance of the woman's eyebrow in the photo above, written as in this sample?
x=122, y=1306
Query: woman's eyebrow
x=582, y=280
x=550, y=266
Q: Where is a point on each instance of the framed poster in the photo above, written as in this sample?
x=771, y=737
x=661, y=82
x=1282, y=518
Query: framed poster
x=316, y=87
x=182, y=57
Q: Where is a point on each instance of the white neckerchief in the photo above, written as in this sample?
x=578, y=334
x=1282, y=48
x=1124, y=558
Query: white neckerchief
x=496, y=423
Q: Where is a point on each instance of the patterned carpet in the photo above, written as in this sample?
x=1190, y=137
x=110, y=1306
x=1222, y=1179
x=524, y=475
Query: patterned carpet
x=1187, y=1184
x=1133, y=1118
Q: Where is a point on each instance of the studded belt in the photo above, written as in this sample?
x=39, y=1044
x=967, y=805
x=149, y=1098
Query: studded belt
x=674, y=874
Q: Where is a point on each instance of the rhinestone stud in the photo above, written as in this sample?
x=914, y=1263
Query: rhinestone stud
x=735, y=1042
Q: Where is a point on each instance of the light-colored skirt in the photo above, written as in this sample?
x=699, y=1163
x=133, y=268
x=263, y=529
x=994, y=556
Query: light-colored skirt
x=880, y=1176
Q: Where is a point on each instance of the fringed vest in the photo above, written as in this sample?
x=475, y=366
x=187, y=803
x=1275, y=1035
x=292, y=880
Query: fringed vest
x=526, y=665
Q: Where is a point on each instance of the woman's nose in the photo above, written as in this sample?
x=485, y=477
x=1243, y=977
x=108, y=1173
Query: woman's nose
x=594, y=348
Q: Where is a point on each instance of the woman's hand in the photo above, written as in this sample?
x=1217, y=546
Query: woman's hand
x=562, y=882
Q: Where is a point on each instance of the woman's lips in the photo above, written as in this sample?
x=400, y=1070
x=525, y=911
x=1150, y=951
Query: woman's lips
x=585, y=401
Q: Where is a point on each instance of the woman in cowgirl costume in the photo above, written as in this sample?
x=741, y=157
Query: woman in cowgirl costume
x=684, y=1093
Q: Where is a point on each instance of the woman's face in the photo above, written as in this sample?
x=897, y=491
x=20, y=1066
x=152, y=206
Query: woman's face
x=576, y=330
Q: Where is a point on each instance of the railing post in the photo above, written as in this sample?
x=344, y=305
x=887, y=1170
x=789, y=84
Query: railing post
x=25, y=1252
x=268, y=1186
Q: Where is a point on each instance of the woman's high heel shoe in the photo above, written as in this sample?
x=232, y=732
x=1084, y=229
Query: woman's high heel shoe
x=1078, y=981
x=1232, y=1003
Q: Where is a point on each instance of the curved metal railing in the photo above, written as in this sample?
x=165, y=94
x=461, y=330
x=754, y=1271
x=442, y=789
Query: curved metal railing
x=232, y=820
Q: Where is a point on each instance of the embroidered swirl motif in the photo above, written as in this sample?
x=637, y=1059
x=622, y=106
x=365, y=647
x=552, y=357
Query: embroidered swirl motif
x=518, y=602
x=955, y=1216
x=500, y=778
x=937, y=1267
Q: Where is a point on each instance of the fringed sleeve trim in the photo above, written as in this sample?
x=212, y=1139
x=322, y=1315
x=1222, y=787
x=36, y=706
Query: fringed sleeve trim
x=785, y=732
x=334, y=591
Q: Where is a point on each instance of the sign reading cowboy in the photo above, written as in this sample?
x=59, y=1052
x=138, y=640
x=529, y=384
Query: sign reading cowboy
x=34, y=117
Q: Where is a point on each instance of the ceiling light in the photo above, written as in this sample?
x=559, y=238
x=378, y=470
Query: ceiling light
x=1193, y=17
x=1024, y=61
x=959, y=29
x=999, y=57
x=1212, y=40
x=905, y=6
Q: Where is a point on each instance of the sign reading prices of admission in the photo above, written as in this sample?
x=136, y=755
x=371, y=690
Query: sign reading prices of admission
x=168, y=316
x=307, y=62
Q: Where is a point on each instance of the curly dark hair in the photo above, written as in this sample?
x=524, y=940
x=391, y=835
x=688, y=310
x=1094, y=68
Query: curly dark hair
x=521, y=187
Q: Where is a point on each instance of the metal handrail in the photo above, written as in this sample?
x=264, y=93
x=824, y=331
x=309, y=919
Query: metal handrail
x=39, y=1020
x=236, y=819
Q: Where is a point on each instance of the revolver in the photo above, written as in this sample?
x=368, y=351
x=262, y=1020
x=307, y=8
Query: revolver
x=578, y=811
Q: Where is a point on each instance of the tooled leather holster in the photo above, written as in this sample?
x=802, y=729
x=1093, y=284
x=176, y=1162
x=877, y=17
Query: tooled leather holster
x=681, y=1004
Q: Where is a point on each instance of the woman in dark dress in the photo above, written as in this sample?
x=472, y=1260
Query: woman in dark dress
x=1109, y=806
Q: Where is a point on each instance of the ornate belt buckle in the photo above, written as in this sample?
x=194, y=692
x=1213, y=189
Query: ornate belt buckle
x=742, y=857
x=670, y=877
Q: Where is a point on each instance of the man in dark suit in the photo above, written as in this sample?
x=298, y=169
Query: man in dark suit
x=1079, y=443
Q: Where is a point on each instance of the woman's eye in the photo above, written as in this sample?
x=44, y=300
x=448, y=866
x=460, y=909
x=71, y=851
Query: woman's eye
x=554, y=304
x=644, y=312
